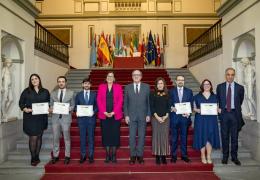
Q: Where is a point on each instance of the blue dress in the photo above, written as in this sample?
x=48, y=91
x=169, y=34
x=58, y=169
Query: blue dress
x=205, y=126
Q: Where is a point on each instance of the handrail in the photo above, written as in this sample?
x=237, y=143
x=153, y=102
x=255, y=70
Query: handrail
x=206, y=43
x=48, y=43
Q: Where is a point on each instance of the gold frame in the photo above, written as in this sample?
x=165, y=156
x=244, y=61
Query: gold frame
x=90, y=28
x=186, y=26
x=69, y=27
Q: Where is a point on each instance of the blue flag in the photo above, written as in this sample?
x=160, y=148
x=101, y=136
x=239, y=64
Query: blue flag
x=93, y=53
x=151, y=50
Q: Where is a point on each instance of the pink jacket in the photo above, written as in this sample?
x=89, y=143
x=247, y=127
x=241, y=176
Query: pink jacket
x=117, y=97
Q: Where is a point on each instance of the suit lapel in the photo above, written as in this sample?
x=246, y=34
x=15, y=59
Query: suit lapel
x=177, y=95
x=224, y=89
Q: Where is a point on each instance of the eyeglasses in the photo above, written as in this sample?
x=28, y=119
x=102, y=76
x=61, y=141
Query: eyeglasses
x=206, y=84
x=136, y=74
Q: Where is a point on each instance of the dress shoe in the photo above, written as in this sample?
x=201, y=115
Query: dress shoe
x=140, y=160
x=185, y=159
x=224, y=161
x=157, y=160
x=54, y=160
x=113, y=158
x=173, y=159
x=82, y=159
x=37, y=160
x=33, y=162
x=108, y=158
x=132, y=160
x=163, y=159
x=90, y=159
x=67, y=160
x=236, y=162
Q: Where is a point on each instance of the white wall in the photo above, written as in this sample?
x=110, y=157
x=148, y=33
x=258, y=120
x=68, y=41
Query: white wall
x=211, y=69
x=243, y=23
x=20, y=24
x=49, y=69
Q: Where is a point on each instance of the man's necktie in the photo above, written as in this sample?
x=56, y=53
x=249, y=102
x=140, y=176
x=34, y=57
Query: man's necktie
x=86, y=97
x=61, y=96
x=180, y=95
x=229, y=98
x=136, y=89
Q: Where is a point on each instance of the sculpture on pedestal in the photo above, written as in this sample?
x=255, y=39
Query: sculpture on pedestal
x=249, y=81
x=6, y=91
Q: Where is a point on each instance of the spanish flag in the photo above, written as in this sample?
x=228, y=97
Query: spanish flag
x=103, y=51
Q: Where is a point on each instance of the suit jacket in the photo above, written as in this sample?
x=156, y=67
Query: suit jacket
x=117, y=101
x=79, y=100
x=174, y=98
x=137, y=105
x=68, y=98
x=238, y=100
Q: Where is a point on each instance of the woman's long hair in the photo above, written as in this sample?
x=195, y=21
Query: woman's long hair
x=31, y=87
x=165, y=90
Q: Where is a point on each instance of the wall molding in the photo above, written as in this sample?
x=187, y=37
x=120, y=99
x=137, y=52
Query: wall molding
x=227, y=6
x=205, y=58
x=28, y=7
x=123, y=15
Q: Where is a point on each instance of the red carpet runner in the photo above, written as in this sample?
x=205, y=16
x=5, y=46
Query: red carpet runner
x=122, y=170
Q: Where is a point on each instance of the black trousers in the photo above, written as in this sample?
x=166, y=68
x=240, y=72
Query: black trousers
x=229, y=130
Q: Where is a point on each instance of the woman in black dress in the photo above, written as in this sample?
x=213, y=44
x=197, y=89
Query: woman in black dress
x=34, y=125
x=110, y=102
x=160, y=108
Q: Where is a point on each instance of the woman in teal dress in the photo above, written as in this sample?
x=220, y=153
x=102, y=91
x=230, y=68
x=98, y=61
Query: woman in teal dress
x=206, y=131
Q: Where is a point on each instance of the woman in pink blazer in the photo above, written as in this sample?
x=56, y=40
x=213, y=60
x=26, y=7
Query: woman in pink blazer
x=110, y=103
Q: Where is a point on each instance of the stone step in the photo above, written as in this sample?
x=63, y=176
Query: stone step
x=24, y=154
x=22, y=167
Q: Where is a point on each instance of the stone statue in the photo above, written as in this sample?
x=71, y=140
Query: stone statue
x=6, y=91
x=249, y=80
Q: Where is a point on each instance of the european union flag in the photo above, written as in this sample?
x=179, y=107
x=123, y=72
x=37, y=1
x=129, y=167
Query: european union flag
x=152, y=53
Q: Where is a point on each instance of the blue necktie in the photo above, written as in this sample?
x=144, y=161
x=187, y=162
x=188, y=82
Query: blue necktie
x=86, y=97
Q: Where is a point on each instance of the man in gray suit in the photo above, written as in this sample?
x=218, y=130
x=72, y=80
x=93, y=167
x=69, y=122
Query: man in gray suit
x=61, y=122
x=137, y=114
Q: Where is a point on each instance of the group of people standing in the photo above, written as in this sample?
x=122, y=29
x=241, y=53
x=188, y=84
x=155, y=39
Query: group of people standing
x=138, y=105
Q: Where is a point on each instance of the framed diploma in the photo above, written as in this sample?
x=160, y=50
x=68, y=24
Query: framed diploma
x=61, y=108
x=208, y=109
x=40, y=108
x=85, y=110
x=183, y=108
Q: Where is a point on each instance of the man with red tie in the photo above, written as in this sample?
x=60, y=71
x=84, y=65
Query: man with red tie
x=230, y=96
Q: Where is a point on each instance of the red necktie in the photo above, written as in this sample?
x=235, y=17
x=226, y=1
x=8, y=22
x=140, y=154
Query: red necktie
x=229, y=98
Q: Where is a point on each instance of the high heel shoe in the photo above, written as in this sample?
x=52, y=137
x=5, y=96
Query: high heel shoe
x=203, y=160
x=209, y=161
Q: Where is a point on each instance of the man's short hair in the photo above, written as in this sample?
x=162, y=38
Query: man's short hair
x=86, y=80
x=230, y=68
x=179, y=75
x=62, y=77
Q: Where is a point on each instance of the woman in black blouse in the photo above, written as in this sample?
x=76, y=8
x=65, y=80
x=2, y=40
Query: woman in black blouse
x=34, y=125
x=160, y=107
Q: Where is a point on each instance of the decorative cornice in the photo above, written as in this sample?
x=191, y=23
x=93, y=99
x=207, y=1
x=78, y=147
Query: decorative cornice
x=227, y=6
x=28, y=7
x=123, y=14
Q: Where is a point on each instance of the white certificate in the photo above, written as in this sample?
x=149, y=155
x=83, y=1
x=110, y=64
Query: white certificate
x=208, y=109
x=61, y=108
x=85, y=110
x=183, y=108
x=40, y=108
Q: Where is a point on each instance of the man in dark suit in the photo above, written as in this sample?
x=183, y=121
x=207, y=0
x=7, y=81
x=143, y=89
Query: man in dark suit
x=230, y=96
x=179, y=123
x=137, y=114
x=86, y=123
